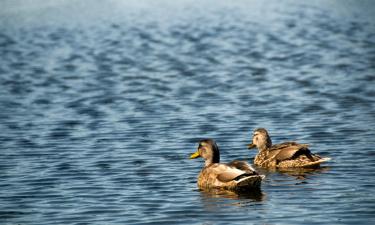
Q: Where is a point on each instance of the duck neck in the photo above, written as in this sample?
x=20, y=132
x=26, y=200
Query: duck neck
x=208, y=163
x=263, y=148
x=265, y=145
x=211, y=161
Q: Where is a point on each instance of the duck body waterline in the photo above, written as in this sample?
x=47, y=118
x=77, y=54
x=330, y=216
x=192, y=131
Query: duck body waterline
x=284, y=155
x=233, y=176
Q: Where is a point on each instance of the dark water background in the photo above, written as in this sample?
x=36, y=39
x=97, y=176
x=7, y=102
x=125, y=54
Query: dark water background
x=102, y=101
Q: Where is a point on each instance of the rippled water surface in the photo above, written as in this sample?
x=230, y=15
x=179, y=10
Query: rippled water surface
x=102, y=102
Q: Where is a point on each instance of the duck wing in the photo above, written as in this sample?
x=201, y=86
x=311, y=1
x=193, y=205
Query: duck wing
x=284, y=145
x=226, y=173
x=242, y=165
x=288, y=150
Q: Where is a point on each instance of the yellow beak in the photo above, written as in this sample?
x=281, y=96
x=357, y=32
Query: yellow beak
x=195, y=155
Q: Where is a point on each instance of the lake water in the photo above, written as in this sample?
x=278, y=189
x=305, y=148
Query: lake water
x=102, y=103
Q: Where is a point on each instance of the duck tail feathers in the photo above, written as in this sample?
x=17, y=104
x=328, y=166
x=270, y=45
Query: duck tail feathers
x=250, y=181
x=316, y=163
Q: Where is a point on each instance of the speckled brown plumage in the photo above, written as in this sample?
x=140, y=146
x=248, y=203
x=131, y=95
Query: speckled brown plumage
x=234, y=176
x=284, y=155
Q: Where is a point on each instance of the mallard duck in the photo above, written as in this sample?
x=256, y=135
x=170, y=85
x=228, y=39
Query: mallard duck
x=234, y=176
x=284, y=155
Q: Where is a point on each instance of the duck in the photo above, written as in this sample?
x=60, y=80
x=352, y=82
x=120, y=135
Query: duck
x=236, y=176
x=283, y=155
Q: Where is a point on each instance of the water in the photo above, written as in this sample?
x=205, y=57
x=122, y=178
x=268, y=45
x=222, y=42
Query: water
x=101, y=105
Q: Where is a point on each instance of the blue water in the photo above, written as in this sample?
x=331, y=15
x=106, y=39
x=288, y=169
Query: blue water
x=101, y=103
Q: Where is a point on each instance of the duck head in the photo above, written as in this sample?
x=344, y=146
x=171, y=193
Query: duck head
x=260, y=140
x=208, y=150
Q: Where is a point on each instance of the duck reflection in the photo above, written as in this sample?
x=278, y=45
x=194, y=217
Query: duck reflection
x=291, y=176
x=216, y=199
x=298, y=173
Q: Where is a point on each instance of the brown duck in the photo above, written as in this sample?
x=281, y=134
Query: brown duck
x=234, y=176
x=284, y=155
